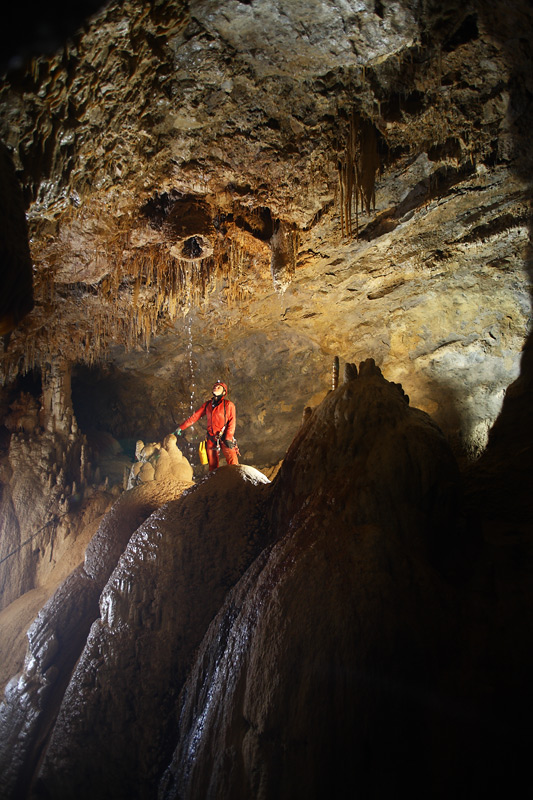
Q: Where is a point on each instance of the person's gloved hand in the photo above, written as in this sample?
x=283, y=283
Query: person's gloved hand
x=178, y=432
x=230, y=443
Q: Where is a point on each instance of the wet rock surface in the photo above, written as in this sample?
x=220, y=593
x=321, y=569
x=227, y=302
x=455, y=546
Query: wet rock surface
x=187, y=171
x=262, y=640
x=58, y=635
x=154, y=610
x=333, y=653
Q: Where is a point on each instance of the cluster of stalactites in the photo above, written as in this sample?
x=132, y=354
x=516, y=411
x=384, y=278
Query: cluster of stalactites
x=137, y=286
x=147, y=287
x=284, y=245
x=357, y=166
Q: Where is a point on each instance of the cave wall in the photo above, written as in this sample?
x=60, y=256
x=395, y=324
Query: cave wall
x=271, y=374
x=16, y=287
x=50, y=491
x=246, y=149
x=434, y=283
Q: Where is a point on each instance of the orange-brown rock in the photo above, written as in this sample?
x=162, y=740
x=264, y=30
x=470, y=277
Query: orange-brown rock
x=246, y=191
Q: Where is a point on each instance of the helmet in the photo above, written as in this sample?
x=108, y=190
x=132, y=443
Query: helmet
x=224, y=386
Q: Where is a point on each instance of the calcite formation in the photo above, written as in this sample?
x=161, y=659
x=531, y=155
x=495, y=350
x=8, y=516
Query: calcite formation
x=156, y=461
x=172, y=577
x=262, y=639
x=48, y=484
x=351, y=175
x=252, y=192
x=58, y=635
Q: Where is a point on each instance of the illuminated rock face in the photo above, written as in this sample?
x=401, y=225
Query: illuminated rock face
x=322, y=662
x=157, y=462
x=215, y=187
x=186, y=170
x=46, y=478
x=265, y=640
x=384, y=472
x=58, y=635
x=169, y=583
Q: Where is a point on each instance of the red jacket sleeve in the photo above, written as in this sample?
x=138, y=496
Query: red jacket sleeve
x=232, y=420
x=195, y=417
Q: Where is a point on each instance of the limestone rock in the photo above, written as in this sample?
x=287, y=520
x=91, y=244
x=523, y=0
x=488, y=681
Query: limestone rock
x=156, y=461
x=239, y=142
x=197, y=181
x=257, y=639
x=46, y=492
x=24, y=414
x=331, y=656
x=154, y=610
x=58, y=635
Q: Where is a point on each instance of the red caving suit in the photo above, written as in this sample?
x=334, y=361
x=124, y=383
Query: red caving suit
x=220, y=426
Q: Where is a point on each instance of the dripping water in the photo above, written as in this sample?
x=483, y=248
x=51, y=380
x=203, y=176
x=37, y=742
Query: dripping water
x=188, y=324
x=191, y=362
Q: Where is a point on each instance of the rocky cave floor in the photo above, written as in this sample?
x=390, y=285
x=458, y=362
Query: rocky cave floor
x=370, y=586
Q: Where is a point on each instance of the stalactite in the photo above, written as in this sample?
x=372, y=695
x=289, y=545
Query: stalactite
x=284, y=248
x=357, y=167
x=233, y=268
x=137, y=288
x=83, y=463
x=295, y=239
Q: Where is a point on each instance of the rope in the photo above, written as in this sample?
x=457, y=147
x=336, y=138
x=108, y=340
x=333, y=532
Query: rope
x=55, y=519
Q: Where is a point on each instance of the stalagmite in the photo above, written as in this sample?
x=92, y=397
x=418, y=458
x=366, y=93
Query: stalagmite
x=350, y=372
x=306, y=414
x=335, y=373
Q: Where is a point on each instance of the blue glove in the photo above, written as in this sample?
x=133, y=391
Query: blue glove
x=178, y=432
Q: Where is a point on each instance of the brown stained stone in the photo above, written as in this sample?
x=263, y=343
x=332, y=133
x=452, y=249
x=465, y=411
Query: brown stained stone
x=169, y=583
x=179, y=164
x=335, y=664
x=340, y=625
x=234, y=123
x=58, y=635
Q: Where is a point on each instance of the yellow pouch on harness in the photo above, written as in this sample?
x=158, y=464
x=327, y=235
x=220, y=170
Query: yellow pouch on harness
x=202, y=452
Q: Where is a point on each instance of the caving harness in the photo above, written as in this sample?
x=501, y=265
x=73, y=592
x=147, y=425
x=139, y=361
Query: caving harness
x=217, y=437
x=210, y=448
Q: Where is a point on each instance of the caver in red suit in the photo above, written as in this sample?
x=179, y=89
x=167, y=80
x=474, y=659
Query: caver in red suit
x=221, y=419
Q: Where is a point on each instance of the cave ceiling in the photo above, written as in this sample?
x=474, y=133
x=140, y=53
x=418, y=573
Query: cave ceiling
x=259, y=186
